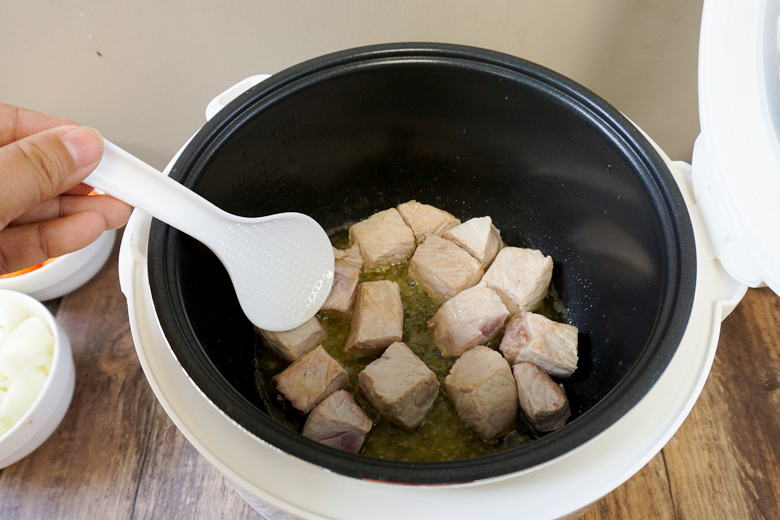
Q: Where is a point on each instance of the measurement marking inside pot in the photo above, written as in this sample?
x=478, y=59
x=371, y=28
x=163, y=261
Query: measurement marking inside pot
x=265, y=182
x=261, y=175
x=259, y=184
x=278, y=194
x=260, y=180
x=288, y=125
x=265, y=162
x=245, y=180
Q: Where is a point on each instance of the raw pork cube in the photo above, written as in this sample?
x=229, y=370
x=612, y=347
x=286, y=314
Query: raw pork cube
x=399, y=385
x=443, y=269
x=310, y=379
x=542, y=400
x=378, y=319
x=481, y=386
x=550, y=345
x=292, y=344
x=425, y=219
x=345, y=279
x=472, y=317
x=479, y=237
x=338, y=422
x=520, y=277
x=349, y=257
x=383, y=238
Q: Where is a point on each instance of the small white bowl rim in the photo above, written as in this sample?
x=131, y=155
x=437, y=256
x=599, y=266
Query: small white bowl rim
x=34, y=274
x=64, y=273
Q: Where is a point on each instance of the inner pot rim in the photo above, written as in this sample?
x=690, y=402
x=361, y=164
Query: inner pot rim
x=671, y=323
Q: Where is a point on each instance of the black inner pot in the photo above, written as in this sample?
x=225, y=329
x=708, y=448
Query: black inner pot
x=473, y=132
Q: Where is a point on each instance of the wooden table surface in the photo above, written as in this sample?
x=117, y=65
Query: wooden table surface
x=117, y=455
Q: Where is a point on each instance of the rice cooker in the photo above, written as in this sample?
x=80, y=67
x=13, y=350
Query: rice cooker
x=729, y=195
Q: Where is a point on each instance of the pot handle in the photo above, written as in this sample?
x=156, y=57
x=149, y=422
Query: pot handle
x=726, y=290
x=228, y=95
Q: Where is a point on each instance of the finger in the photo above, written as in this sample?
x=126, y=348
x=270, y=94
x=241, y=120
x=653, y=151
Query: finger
x=31, y=244
x=114, y=212
x=17, y=123
x=80, y=189
x=43, y=165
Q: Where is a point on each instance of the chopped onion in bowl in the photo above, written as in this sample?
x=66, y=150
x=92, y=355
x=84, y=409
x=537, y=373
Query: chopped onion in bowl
x=11, y=315
x=22, y=393
x=26, y=351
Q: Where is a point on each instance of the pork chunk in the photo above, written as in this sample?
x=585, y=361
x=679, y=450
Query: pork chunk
x=550, y=345
x=345, y=280
x=472, y=317
x=443, y=269
x=349, y=257
x=338, y=422
x=383, y=238
x=479, y=237
x=542, y=400
x=292, y=344
x=481, y=386
x=520, y=277
x=425, y=219
x=310, y=379
x=378, y=319
x=399, y=385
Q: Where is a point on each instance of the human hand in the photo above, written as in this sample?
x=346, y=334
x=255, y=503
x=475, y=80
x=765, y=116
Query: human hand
x=44, y=210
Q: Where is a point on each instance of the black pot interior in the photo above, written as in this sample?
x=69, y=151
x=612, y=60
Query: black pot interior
x=473, y=132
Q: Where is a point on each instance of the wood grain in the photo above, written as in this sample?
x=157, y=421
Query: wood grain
x=116, y=454
x=178, y=483
x=92, y=462
x=725, y=460
x=645, y=496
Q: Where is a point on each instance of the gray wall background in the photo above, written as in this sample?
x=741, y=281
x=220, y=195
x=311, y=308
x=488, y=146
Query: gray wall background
x=143, y=71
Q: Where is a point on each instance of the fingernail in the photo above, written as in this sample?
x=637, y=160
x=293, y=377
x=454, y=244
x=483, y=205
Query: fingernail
x=84, y=144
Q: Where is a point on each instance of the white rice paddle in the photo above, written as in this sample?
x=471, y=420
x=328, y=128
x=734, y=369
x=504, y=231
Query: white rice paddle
x=281, y=265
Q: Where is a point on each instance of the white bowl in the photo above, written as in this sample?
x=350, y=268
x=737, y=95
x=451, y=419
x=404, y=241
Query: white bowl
x=65, y=273
x=48, y=409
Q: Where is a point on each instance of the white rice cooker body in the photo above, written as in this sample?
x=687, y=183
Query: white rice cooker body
x=734, y=180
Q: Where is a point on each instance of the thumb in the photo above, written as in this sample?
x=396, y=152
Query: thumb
x=43, y=165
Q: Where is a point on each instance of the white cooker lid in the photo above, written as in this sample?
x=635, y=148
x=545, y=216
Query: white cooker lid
x=736, y=159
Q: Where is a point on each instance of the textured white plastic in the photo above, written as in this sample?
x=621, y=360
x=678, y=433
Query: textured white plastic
x=281, y=265
x=736, y=159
